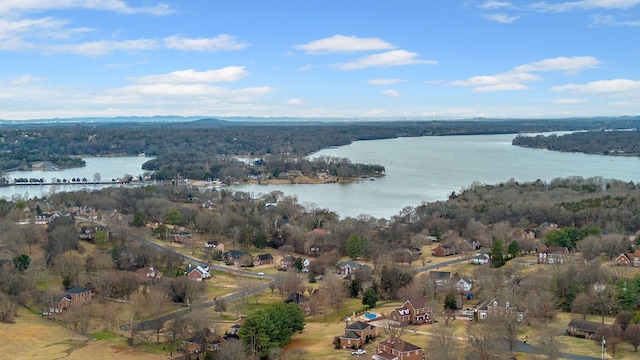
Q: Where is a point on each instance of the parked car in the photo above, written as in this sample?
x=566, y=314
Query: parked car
x=358, y=352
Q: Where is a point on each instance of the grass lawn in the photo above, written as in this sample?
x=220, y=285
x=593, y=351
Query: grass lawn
x=35, y=337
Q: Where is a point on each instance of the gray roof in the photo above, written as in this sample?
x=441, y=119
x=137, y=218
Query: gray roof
x=584, y=325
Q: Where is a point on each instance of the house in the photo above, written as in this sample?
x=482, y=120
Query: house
x=6, y=264
x=79, y=294
x=524, y=234
x=401, y=316
x=635, y=258
x=349, y=266
x=263, y=259
x=182, y=237
x=197, y=273
x=396, y=349
x=480, y=259
x=464, y=284
x=211, y=246
x=498, y=307
x=314, y=249
x=441, y=278
x=623, y=259
x=582, y=328
x=419, y=309
x=58, y=304
x=444, y=250
x=552, y=254
x=148, y=274
x=88, y=233
x=357, y=334
x=203, y=341
x=238, y=258
x=303, y=302
x=288, y=262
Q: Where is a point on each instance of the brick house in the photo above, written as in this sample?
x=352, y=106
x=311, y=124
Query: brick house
x=578, y=327
x=497, y=307
x=303, y=302
x=623, y=260
x=79, y=294
x=197, y=273
x=238, y=258
x=263, y=259
x=414, y=311
x=552, y=254
x=444, y=250
x=396, y=349
x=348, y=267
x=357, y=334
x=287, y=262
x=629, y=259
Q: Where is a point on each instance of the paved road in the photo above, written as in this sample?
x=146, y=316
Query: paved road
x=446, y=263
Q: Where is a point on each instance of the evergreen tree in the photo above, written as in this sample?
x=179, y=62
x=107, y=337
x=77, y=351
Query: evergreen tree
x=370, y=297
x=497, y=253
x=513, y=249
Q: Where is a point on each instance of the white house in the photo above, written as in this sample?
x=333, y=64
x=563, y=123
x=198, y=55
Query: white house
x=464, y=284
x=480, y=259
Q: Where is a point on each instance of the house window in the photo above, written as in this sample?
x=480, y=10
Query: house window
x=483, y=315
x=507, y=304
x=495, y=303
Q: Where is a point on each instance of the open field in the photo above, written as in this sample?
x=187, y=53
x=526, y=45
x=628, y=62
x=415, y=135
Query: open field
x=35, y=337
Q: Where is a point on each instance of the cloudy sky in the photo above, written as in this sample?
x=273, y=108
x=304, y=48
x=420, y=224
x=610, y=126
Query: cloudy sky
x=319, y=58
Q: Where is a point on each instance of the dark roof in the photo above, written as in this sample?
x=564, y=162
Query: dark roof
x=350, y=335
x=401, y=345
x=235, y=254
x=296, y=298
x=264, y=257
x=584, y=325
x=76, y=290
x=440, y=274
x=358, y=325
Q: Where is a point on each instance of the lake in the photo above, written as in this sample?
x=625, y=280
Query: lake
x=421, y=169
x=108, y=168
x=427, y=169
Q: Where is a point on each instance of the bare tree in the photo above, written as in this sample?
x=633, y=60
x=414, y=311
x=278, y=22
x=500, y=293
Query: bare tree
x=506, y=325
x=393, y=329
x=549, y=343
x=632, y=336
x=483, y=341
x=443, y=343
x=336, y=291
x=230, y=350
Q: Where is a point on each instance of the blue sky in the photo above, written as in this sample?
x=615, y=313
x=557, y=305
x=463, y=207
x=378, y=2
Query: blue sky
x=331, y=58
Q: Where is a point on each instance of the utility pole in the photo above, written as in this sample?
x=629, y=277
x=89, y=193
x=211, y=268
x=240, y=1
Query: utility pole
x=604, y=349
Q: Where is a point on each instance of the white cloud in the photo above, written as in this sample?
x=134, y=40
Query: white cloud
x=512, y=77
x=495, y=5
x=571, y=65
x=188, y=90
x=597, y=20
x=602, y=87
x=227, y=74
x=500, y=87
x=502, y=18
x=99, y=48
x=583, y=5
x=118, y=6
x=385, y=81
x=222, y=42
x=295, y=101
x=568, y=101
x=26, y=79
x=390, y=93
x=344, y=44
x=389, y=58
x=520, y=75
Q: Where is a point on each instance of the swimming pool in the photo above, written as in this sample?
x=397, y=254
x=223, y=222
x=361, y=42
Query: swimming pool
x=370, y=316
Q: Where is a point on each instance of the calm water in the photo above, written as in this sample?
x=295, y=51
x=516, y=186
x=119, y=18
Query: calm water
x=418, y=170
x=428, y=169
x=108, y=168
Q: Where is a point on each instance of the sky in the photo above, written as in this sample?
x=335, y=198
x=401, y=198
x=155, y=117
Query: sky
x=377, y=59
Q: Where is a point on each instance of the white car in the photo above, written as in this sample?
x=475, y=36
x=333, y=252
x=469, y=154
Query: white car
x=358, y=352
x=261, y=274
